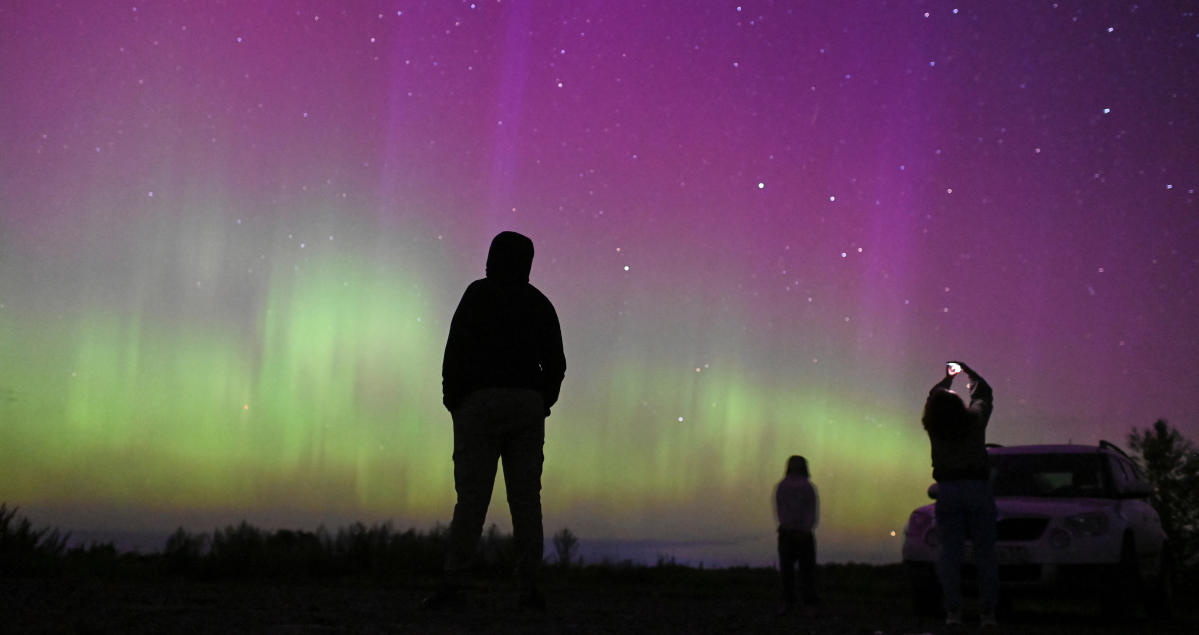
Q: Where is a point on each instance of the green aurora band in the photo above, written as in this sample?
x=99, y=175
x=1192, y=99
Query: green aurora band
x=303, y=387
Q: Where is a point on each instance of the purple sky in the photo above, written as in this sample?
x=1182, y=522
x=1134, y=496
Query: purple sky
x=765, y=226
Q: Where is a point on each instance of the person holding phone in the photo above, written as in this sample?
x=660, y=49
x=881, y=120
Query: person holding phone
x=965, y=503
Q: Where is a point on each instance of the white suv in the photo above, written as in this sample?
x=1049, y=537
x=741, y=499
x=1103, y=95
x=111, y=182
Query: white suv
x=1071, y=517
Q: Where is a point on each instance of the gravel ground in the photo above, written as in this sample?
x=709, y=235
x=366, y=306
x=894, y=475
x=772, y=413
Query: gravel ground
x=856, y=600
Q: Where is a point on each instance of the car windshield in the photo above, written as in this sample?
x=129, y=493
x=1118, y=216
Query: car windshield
x=1049, y=475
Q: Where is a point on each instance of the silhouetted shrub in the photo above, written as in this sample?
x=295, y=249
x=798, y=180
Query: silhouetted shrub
x=237, y=552
x=183, y=552
x=365, y=549
x=496, y=550
x=288, y=552
x=566, y=545
x=25, y=550
x=245, y=551
x=422, y=553
x=1171, y=463
x=354, y=550
x=98, y=558
x=666, y=561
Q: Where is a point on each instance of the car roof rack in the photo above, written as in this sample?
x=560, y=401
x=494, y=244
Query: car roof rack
x=1108, y=444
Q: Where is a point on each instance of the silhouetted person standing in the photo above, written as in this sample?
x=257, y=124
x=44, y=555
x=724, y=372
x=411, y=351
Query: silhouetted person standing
x=502, y=371
x=965, y=504
x=797, y=509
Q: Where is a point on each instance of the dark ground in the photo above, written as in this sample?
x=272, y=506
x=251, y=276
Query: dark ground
x=858, y=599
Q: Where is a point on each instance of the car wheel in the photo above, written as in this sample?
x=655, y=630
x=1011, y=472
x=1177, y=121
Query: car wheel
x=1126, y=582
x=1159, y=594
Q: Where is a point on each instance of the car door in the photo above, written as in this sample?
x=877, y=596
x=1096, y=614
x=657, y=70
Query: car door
x=1142, y=519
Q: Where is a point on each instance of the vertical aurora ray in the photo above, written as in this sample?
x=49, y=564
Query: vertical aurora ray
x=310, y=377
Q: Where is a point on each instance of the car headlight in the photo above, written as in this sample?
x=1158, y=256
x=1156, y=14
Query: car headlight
x=1088, y=524
x=1059, y=538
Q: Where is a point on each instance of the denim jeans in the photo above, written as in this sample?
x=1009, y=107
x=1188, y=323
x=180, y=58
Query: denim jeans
x=967, y=508
x=494, y=424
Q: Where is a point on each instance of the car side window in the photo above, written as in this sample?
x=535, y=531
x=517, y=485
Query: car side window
x=1128, y=476
x=1121, y=478
x=1136, y=476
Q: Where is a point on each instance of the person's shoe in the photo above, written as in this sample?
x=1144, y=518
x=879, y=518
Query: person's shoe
x=444, y=598
x=531, y=600
x=989, y=621
x=953, y=618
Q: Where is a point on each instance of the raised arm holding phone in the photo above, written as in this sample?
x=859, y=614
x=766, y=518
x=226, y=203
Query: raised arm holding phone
x=965, y=503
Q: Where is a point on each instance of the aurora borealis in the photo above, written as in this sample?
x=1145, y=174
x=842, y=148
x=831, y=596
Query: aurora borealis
x=232, y=236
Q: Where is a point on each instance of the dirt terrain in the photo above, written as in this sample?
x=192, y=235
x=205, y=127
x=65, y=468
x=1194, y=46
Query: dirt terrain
x=856, y=599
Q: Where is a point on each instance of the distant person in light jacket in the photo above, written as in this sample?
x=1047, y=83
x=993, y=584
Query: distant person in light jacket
x=797, y=510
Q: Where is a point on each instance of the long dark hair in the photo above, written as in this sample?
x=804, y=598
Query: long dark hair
x=945, y=414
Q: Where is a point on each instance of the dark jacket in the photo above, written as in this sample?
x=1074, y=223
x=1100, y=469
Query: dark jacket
x=505, y=333
x=959, y=446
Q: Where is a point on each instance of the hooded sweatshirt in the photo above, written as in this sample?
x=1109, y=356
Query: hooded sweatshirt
x=505, y=333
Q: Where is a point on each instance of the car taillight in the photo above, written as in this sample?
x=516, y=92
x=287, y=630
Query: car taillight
x=918, y=523
x=920, y=526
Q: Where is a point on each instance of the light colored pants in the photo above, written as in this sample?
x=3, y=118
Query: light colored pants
x=490, y=425
x=967, y=508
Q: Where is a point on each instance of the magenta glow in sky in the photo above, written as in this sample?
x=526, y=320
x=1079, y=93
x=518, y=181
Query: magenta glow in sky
x=232, y=237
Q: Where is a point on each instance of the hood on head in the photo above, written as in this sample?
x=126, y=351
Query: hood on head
x=510, y=258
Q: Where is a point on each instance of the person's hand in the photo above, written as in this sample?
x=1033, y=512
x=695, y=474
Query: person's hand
x=966, y=369
x=952, y=368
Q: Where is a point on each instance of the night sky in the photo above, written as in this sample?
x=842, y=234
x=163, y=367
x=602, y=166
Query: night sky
x=232, y=235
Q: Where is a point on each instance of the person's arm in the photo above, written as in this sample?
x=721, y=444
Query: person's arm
x=553, y=359
x=981, y=397
x=945, y=382
x=775, y=500
x=980, y=394
x=815, y=507
x=454, y=363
